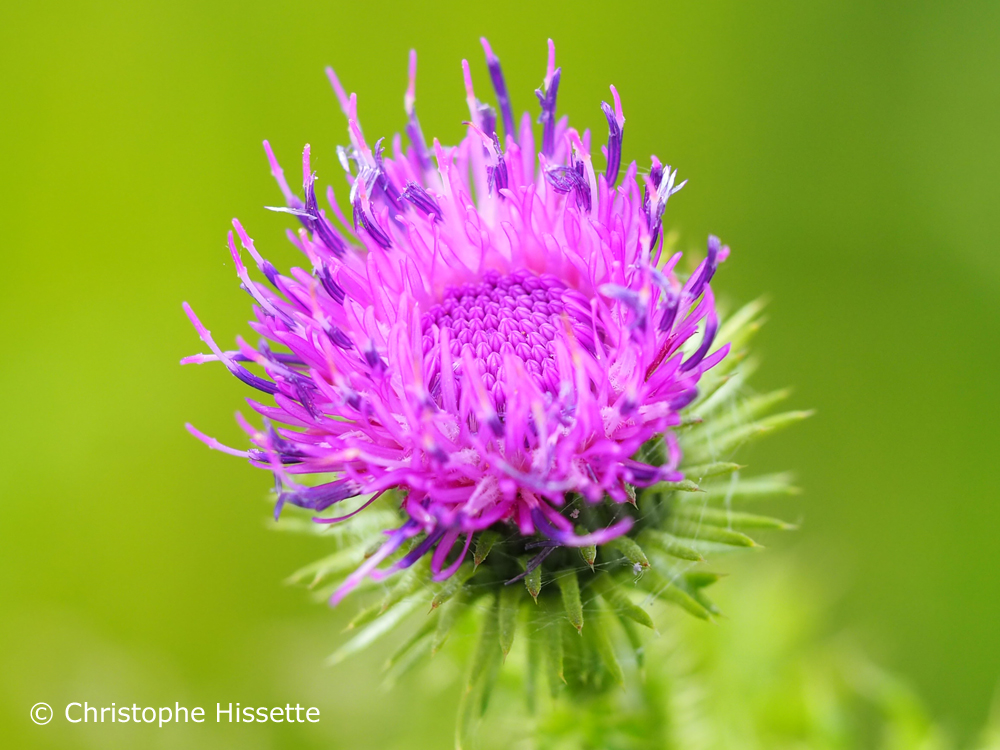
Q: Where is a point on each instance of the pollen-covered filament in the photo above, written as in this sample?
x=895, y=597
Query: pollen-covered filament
x=516, y=315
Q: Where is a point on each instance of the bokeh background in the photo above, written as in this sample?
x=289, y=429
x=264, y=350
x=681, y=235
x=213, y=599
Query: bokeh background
x=847, y=151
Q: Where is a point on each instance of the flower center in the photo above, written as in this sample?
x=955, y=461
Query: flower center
x=517, y=315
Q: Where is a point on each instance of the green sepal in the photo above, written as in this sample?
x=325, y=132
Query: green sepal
x=489, y=681
x=741, y=338
x=323, y=594
x=700, y=579
x=508, y=608
x=339, y=563
x=576, y=669
x=734, y=324
x=419, y=635
x=717, y=397
x=549, y=628
x=755, y=406
x=408, y=583
x=731, y=519
x=588, y=553
x=485, y=653
x=484, y=544
x=463, y=721
x=406, y=663
x=670, y=545
x=365, y=616
x=707, y=533
x=737, y=330
x=630, y=549
x=710, y=383
x=744, y=411
x=685, y=485
x=570, y=589
x=599, y=638
x=452, y=585
x=450, y=612
x=705, y=471
x=619, y=600
x=634, y=639
x=375, y=630
x=669, y=591
x=486, y=658
x=765, y=485
x=699, y=596
x=533, y=580
x=418, y=575
x=689, y=420
x=486, y=646
x=365, y=529
x=531, y=671
x=692, y=582
x=726, y=392
x=374, y=547
x=737, y=436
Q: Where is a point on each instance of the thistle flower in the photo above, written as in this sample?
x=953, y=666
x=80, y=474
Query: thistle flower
x=500, y=335
x=500, y=340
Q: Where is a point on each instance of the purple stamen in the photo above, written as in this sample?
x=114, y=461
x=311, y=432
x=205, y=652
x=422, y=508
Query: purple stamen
x=663, y=179
x=338, y=519
x=413, y=131
x=563, y=179
x=257, y=454
x=711, y=328
x=487, y=119
x=500, y=87
x=655, y=176
x=547, y=118
x=671, y=305
x=383, y=181
x=317, y=498
x=497, y=175
x=338, y=337
x=423, y=200
x=421, y=549
x=685, y=398
x=335, y=290
x=285, y=359
x=707, y=268
x=643, y=475
x=316, y=223
x=370, y=225
x=374, y=359
x=616, y=122
x=566, y=179
x=416, y=136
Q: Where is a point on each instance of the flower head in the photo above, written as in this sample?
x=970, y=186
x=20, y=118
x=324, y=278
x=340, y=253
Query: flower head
x=495, y=334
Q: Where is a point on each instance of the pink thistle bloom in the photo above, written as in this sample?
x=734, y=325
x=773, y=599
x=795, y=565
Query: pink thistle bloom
x=495, y=332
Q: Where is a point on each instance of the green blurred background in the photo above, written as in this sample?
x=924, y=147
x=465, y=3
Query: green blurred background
x=847, y=151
